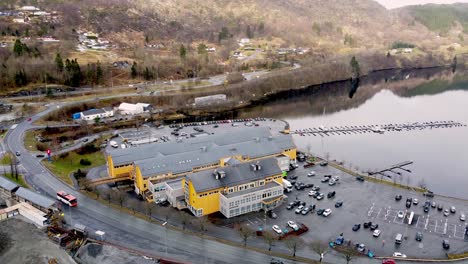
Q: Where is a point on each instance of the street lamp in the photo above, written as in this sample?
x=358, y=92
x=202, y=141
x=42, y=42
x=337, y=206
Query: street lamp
x=165, y=235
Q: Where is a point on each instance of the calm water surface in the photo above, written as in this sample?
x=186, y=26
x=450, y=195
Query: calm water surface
x=440, y=156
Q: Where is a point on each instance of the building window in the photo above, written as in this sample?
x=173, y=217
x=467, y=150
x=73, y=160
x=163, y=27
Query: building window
x=252, y=185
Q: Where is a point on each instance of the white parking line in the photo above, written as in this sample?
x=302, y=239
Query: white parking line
x=427, y=222
x=445, y=227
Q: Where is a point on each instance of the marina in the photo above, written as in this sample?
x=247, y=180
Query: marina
x=379, y=129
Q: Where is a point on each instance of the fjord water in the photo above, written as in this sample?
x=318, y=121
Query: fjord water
x=440, y=155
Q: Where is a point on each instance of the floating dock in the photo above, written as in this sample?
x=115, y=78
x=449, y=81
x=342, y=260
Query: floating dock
x=379, y=129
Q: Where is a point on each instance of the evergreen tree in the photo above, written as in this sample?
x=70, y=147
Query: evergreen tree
x=59, y=62
x=99, y=73
x=182, y=52
x=355, y=67
x=201, y=49
x=249, y=32
x=133, y=70
x=18, y=48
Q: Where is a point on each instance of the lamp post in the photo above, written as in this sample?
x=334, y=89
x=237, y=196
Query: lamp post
x=165, y=235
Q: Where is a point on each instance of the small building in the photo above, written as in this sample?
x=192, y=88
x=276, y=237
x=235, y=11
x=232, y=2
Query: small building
x=33, y=214
x=39, y=201
x=134, y=109
x=211, y=49
x=211, y=99
x=407, y=50
x=92, y=114
x=7, y=188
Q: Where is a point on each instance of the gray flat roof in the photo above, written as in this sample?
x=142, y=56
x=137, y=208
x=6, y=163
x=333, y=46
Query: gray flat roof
x=235, y=175
x=180, y=157
x=35, y=198
x=7, y=184
x=93, y=112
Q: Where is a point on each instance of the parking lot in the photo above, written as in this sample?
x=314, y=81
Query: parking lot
x=367, y=201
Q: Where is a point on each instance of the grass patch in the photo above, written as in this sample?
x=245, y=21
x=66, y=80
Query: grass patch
x=457, y=256
x=19, y=181
x=6, y=159
x=30, y=140
x=63, y=166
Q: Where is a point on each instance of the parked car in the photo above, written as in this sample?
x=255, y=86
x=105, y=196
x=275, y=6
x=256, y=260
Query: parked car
x=331, y=182
x=311, y=173
x=18, y=153
x=293, y=225
x=433, y=205
x=427, y=206
x=428, y=194
x=325, y=179
x=309, y=185
x=388, y=261
x=312, y=193
x=445, y=244
x=360, y=178
x=331, y=194
x=299, y=209
x=316, y=188
x=361, y=247
x=292, y=177
x=277, y=229
x=398, y=197
x=302, y=203
x=323, y=163
x=452, y=209
x=305, y=211
x=462, y=217
x=356, y=227
x=367, y=224
x=320, y=211
x=409, y=201
x=290, y=206
x=327, y=212
x=446, y=212
x=440, y=207
x=320, y=196
x=374, y=226
x=401, y=214
x=399, y=255
x=415, y=201
x=376, y=233
x=338, y=204
x=274, y=261
x=272, y=214
x=297, y=202
x=419, y=236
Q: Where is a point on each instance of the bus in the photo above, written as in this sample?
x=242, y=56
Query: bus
x=67, y=199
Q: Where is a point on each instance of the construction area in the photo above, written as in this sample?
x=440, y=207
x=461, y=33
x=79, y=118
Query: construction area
x=28, y=244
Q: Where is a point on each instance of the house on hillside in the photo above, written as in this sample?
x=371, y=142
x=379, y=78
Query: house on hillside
x=211, y=99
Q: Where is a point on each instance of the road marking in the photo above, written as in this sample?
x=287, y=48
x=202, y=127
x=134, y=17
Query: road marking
x=445, y=227
x=421, y=245
x=427, y=222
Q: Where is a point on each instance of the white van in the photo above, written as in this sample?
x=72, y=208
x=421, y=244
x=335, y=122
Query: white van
x=114, y=144
x=398, y=239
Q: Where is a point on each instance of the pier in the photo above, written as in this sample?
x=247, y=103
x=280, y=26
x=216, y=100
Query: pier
x=392, y=169
x=379, y=129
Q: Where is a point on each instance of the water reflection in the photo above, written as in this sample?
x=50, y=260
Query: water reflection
x=440, y=156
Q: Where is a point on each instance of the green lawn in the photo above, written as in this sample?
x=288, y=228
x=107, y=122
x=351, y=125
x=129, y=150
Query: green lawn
x=6, y=159
x=19, y=181
x=30, y=141
x=63, y=167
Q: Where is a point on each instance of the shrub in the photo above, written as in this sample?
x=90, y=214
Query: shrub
x=85, y=162
x=79, y=174
x=87, y=149
x=41, y=146
x=63, y=155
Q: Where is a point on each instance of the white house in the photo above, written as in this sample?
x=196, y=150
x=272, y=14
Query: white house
x=134, y=109
x=92, y=114
x=29, y=8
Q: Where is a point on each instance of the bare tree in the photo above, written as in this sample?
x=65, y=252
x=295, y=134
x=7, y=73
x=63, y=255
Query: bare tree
x=202, y=222
x=327, y=156
x=105, y=194
x=422, y=184
x=119, y=197
x=149, y=208
x=293, y=244
x=319, y=247
x=269, y=238
x=185, y=219
x=348, y=253
x=245, y=232
x=408, y=181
